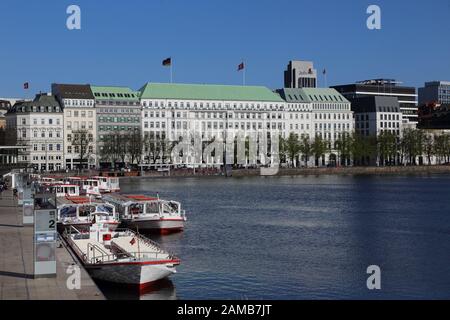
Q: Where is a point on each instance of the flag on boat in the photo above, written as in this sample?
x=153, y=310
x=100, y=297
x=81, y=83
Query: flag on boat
x=133, y=241
x=241, y=66
x=167, y=62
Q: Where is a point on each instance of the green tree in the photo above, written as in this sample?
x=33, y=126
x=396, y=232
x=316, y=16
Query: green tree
x=306, y=149
x=319, y=148
x=292, y=147
x=387, y=148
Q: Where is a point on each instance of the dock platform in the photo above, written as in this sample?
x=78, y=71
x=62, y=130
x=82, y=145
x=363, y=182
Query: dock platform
x=16, y=263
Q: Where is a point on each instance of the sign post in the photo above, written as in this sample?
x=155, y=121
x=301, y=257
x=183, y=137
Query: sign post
x=45, y=235
x=28, y=205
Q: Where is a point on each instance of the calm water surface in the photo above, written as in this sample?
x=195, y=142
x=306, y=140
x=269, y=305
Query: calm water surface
x=305, y=237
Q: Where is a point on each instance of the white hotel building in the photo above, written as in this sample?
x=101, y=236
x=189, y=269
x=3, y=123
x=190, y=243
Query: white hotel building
x=170, y=110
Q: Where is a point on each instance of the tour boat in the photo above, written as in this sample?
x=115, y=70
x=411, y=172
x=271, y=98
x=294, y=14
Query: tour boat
x=148, y=213
x=107, y=184
x=121, y=256
x=90, y=187
x=82, y=212
x=62, y=189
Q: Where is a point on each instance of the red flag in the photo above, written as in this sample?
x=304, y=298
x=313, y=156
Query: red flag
x=241, y=67
x=133, y=241
x=167, y=62
x=26, y=85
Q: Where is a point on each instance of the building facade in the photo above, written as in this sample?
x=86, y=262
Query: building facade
x=435, y=92
x=300, y=74
x=118, y=113
x=407, y=97
x=210, y=111
x=38, y=126
x=374, y=115
x=80, y=128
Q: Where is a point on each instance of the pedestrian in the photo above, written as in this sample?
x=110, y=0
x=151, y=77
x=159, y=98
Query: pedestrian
x=15, y=193
x=1, y=191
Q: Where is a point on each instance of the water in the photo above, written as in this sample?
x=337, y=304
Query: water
x=306, y=237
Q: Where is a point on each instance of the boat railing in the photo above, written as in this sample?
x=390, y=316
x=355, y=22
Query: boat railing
x=101, y=258
x=67, y=235
x=147, y=241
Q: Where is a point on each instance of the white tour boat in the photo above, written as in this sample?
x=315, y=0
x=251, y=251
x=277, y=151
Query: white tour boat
x=107, y=184
x=121, y=256
x=89, y=186
x=82, y=212
x=62, y=189
x=148, y=213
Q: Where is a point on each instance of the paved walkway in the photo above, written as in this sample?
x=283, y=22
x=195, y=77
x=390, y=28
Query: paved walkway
x=16, y=263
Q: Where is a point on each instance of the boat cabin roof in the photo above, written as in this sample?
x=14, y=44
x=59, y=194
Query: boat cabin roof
x=131, y=197
x=77, y=200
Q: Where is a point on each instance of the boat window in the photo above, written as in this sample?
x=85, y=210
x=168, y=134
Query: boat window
x=68, y=212
x=152, y=207
x=136, y=208
x=170, y=207
x=105, y=209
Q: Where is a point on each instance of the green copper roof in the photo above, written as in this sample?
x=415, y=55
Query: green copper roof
x=293, y=95
x=208, y=92
x=324, y=95
x=114, y=93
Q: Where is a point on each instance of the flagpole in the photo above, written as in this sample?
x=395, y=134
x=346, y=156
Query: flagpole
x=243, y=74
x=171, y=71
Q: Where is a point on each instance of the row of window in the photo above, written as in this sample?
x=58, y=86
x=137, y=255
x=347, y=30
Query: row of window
x=119, y=119
x=82, y=114
x=210, y=105
x=76, y=149
x=335, y=126
x=118, y=103
x=118, y=128
x=43, y=121
x=45, y=147
x=77, y=125
x=78, y=103
x=117, y=110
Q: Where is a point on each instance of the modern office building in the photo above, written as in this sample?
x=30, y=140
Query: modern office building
x=300, y=74
x=374, y=115
x=118, y=112
x=407, y=97
x=38, y=126
x=80, y=128
x=435, y=92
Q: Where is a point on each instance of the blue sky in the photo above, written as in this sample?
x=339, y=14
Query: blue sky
x=124, y=42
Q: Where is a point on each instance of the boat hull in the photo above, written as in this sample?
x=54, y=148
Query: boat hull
x=163, y=226
x=138, y=274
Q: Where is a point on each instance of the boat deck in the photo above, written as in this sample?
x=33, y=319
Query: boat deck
x=146, y=250
x=142, y=250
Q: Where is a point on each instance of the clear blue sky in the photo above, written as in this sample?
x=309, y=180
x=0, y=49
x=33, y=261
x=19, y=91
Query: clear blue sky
x=124, y=42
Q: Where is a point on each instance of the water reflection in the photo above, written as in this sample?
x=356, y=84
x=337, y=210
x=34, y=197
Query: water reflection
x=306, y=237
x=160, y=290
